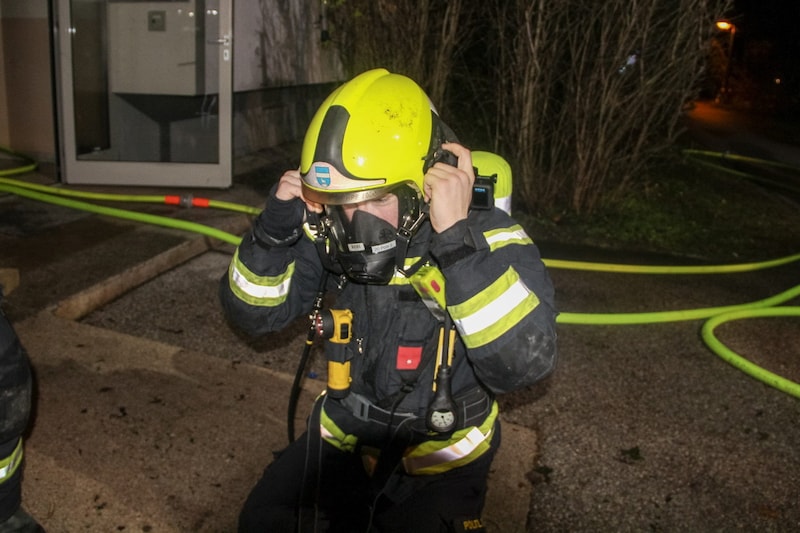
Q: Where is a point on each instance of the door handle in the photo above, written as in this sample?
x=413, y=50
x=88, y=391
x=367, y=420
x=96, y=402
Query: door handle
x=224, y=40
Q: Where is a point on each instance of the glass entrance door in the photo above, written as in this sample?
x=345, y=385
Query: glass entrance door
x=145, y=92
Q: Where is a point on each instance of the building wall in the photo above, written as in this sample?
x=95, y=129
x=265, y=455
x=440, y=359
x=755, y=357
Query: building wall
x=280, y=44
x=26, y=78
x=282, y=71
x=4, y=133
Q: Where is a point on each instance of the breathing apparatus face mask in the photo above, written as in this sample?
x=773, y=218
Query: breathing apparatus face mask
x=367, y=246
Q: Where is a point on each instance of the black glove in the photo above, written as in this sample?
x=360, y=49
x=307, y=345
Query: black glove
x=280, y=223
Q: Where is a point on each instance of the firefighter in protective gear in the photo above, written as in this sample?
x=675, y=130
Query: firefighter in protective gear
x=382, y=198
x=15, y=408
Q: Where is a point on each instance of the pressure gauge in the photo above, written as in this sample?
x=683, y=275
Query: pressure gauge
x=442, y=420
x=441, y=414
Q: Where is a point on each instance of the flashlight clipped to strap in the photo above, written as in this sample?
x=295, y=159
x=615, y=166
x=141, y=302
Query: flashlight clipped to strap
x=336, y=326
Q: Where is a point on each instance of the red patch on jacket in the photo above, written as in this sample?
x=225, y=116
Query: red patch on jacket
x=408, y=357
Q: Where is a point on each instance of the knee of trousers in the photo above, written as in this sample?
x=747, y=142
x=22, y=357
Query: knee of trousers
x=15, y=393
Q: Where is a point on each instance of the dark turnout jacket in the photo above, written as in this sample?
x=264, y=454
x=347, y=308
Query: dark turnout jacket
x=497, y=292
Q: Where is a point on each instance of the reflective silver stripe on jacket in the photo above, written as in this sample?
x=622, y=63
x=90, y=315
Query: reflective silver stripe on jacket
x=8, y=465
x=454, y=452
x=493, y=311
x=259, y=290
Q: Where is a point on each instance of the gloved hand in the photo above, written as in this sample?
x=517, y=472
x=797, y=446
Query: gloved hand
x=281, y=221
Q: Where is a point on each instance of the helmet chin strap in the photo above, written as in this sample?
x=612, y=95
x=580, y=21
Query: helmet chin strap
x=322, y=236
x=405, y=231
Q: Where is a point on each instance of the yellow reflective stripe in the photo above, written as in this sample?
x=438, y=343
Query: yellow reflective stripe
x=493, y=311
x=258, y=290
x=451, y=456
x=333, y=434
x=504, y=236
x=466, y=445
x=398, y=278
x=9, y=465
x=310, y=233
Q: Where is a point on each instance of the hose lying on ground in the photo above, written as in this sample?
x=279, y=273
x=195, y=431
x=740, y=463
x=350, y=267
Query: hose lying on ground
x=714, y=315
x=27, y=164
x=136, y=216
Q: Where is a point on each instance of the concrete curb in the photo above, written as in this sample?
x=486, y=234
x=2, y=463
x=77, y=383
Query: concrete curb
x=79, y=305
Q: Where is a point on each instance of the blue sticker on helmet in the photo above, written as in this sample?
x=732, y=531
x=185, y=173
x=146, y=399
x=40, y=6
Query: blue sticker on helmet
x=323, y=175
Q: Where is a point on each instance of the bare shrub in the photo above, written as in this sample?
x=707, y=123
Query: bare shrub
x=417, y=38
x=591, y=91
x=579, y=95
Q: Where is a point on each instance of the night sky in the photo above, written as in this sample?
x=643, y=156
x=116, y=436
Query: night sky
x=766, y=55
x=765, y=18
x=775, y=21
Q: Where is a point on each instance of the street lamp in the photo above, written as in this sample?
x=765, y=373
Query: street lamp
x=724, y=25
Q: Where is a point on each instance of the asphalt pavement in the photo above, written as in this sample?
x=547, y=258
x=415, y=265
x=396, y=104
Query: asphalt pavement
x=150, y=413
x=153, y=415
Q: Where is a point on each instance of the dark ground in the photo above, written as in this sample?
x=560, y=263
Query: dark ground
x=641, y=427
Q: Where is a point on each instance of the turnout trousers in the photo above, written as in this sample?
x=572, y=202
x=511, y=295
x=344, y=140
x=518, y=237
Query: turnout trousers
x=314, y=486
x=15, y=407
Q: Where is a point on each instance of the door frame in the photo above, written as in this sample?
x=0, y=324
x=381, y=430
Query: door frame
x=134, y=173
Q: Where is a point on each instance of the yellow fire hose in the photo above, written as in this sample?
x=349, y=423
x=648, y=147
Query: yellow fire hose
x=714, y=316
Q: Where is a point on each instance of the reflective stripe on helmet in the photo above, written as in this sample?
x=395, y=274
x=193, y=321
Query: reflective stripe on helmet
x=9, y=465
x=258, y=290
x=324, y=183
x=493, y=311
x=466, y=445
